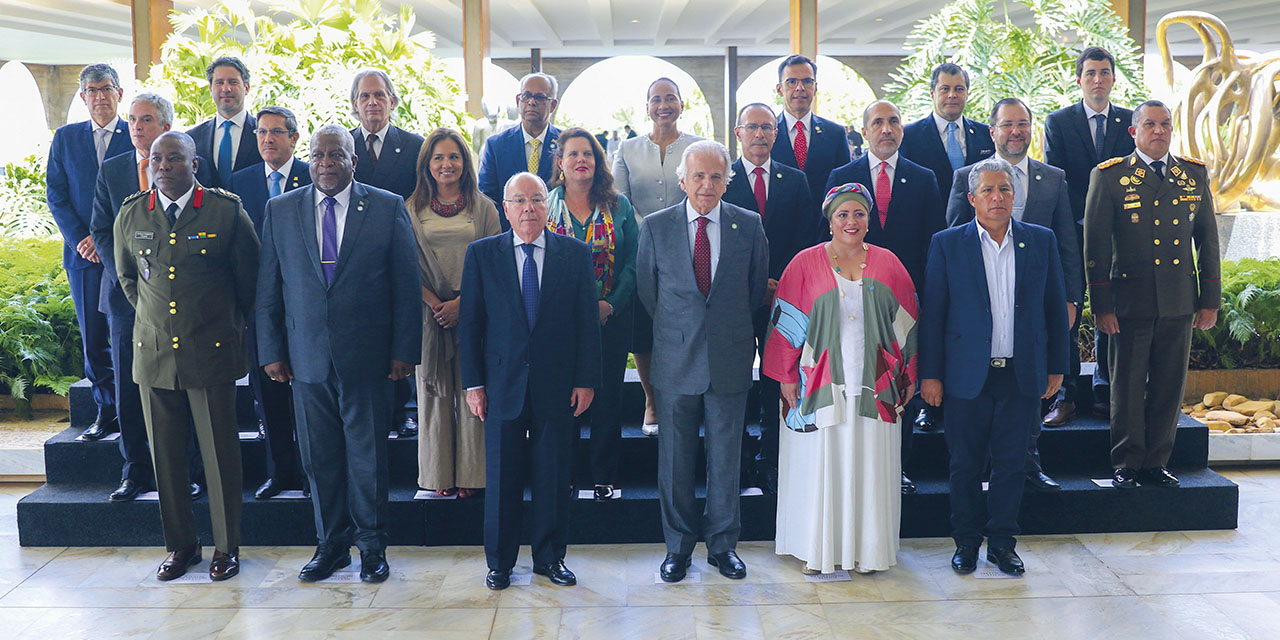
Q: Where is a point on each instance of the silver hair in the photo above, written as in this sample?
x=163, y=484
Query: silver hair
x=555, y=86
x=290, y=120
x=709, y=147
x=523, y=174
x=991, y=165
x=344, y=137
x=98, y=73
x=164, y=108
x=364, y=73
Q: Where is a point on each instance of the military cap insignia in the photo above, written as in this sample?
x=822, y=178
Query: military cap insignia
x=1192, y=160
x=1109, y=163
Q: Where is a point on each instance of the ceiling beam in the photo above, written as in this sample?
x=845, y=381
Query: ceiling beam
x=741, y=12
x=62, y=31
x=534, y=25
x=667, y=16
x=602, y=14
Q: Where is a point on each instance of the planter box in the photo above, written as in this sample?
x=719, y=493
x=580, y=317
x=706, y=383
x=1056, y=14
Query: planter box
x=1243, y=448
x=40, y=401
x=1254, y=383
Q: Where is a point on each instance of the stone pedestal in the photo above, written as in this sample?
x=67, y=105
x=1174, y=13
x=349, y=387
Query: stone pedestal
x=1249, y=234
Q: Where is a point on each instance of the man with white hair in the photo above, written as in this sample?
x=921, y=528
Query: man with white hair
x=529, y=147
x=702, y=268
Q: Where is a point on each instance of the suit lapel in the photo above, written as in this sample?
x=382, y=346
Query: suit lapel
x=509, y=276
x=120, y=142
x=545, y=153
x=730, y=247
x=307, y=220
x=1116, y=129
x=1020, y=258
x=389, y=159
x=785, y=152
x=299, y=176
x=552, y=258
x=973, y=255
x=1080, y=122
x=248, y=144
x=356, y=214
x=1035, y=184
x=973, y=150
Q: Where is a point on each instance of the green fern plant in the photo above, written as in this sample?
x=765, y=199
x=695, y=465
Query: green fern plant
x=39, y=337
x=1248, y=331
x=24, y=212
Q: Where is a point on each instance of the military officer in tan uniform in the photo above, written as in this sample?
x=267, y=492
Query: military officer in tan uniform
x=1144, y=215
x=187, y=258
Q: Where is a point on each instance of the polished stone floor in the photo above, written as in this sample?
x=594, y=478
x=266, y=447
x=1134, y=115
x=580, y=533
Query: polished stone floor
x=1187, y=584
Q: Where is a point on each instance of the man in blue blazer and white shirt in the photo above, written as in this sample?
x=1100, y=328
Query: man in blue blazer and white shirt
x=339, y=312
x=945, y=140
x=227, y=140
x=1042, y=200
x=529, y=343
x=528, y=147
x=702, y=270
x=1076, y=139
x=78, y=150
x=993, y=340
x=279, y=172
x=807, y=142
x=906, y=213
x=779, y=194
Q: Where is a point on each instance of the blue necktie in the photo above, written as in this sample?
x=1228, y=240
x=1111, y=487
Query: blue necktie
x=329, y=242
x=953, y=148
x=529, y=285
x=225, y=161
x=273, y=189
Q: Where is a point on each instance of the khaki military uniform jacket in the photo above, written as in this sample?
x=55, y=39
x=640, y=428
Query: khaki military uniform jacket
x=1139, y=234
x=192, y=285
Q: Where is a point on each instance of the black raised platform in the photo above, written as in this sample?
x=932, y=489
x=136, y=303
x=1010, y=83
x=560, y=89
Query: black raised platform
x=72, y=510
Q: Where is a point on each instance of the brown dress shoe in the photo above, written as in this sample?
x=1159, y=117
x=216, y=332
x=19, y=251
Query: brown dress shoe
x=224, y=565
x=1060, y=413
x=176, y=565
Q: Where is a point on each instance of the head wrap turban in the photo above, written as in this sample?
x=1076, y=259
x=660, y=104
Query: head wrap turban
x=844, y=193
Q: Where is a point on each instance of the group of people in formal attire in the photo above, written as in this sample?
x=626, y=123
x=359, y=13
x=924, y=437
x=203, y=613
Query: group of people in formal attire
x=945, y=267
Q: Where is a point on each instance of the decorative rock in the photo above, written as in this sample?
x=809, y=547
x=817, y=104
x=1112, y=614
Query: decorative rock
x=1265, y=413
x=1215, y=399
x=1218, y=426
x=1251, y=407
x=1199, y=406
x=1235, y=431
x=1227, y=416
x=1232, y=400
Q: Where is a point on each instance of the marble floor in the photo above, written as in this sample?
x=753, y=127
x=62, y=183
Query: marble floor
x=1186, y=584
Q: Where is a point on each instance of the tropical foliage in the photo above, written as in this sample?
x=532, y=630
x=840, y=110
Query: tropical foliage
x=39, y=337
x=1247, y=335
x=23, y=209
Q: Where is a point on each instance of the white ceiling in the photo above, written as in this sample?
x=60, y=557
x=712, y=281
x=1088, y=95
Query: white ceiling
x=82, y=31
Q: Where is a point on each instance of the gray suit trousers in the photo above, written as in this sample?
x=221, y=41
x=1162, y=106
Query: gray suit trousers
x=680, y=416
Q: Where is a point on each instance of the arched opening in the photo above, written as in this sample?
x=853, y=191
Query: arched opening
x=22, y=103
x=611, y=93
x=842, y=93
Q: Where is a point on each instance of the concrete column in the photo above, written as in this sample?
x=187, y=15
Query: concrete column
x=535, y=60
x=731, y=99
x=804, y=28
x=1134, y=15
x=475, y=48
x=150, y=29
x=58, y=83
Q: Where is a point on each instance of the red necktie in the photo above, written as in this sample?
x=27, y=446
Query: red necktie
x=761, y=197
x=801, y=145
x=702, y=258
x=883, y=192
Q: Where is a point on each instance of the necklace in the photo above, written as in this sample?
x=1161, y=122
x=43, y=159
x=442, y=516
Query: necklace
x=831, y=253
x=448, y=210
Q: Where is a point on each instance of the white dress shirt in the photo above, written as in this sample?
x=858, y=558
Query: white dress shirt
x=1089, y=113
x=377, y=144
x=181, y=201
x=1148, y=159
x=713, y=232
x=339, y=215
x=237, y=129
x=1023, y=172
x=528, y=144
x=791, y=128
x=750, y=168
x=539, y=252
x=100, y=138
x=942, y=122
x=284, y=173
x=998, y=262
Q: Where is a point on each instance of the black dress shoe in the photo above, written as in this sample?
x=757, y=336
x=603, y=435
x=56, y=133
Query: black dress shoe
x=409, y=428
x=268, y=490
x=325, y=561
x=1158, y=477
x=498, y=580
x=927, y=419
x=1041, y=483
x=1007, y=559
x=730, y=565
x=373, y=566
x=557, y=573
x=100, y=429
x=1102, y=409
x=127, y=491
x=196, y=490
x=674, y=567
x=1124, y=478
x=965, y=559
x=603, y=493
x=908, y=487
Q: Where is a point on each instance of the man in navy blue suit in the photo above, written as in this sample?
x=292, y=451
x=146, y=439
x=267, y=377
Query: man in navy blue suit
x=905, y=215
x=528, y=147
x=77, y=152
x=227, y=138
x=529, y=342
x=388, y=160
x=339, y=312
x=811, y=144
x=1076, y=139
x=279, y=172
x=780, y=195
x=993, y=339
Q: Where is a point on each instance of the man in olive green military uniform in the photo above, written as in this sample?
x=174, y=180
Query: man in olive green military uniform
x=1144, y=215
x=187, y=258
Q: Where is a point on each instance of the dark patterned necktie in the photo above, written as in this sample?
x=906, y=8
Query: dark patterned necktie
x=529, y=284
x=702, y=258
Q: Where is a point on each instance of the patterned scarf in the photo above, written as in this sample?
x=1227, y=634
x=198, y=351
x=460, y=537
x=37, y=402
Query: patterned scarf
x=599, y=237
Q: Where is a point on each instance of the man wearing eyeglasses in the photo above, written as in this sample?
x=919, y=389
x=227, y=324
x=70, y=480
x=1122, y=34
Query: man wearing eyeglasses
x=528, y=147
x=279, y=172
x=388, y=154
x=813, y=145
x=779, y=194
x=1040, y=197
x=226, y=141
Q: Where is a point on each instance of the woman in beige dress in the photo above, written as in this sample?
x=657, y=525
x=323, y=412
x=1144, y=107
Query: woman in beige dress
x=448, y=213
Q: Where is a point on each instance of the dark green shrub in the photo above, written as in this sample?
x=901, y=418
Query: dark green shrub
x=39, y=336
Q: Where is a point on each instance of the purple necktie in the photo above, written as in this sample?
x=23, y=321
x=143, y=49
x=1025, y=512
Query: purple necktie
x=329, y=244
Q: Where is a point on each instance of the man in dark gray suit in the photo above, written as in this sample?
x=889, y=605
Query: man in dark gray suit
x=702, y=267
x=1040, y=198
x=340, y=314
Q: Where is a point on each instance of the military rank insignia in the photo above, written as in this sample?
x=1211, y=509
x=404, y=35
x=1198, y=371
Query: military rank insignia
x=202, y=236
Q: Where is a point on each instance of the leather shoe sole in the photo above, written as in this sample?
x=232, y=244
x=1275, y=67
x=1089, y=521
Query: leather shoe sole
x=319, y=573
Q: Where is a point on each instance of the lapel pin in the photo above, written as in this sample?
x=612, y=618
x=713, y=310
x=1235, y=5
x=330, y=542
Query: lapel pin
x=1038, y=176
x=779, y=175
x=360, y=206
x=902, y=180
x=397, y=149
x=1117, y=119
x=734, y=226
x=817, y=129
x=117, y=130
x=1022, y=245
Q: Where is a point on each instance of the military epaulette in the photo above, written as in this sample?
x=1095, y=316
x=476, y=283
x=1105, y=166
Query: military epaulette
x=1110, y=163
x=1191, y=160
x=223, y=192
x=134, y=197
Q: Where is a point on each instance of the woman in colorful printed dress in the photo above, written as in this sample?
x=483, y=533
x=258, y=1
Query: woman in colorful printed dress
x=448, y=212
x=583, y=204
x=842, y=343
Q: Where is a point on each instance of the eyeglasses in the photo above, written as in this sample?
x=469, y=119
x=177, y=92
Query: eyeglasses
x=536, y=98
x=107, y=90
x=274, y=132
x=1006, y=125
x=752, y=128
x=536, y=201
x=792, y=82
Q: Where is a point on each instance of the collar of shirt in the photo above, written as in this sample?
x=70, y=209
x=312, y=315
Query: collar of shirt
x=237, y=119
x=343, y=198
x=137, y=156
x=875, y=161
x=791, y=122
x=381, y=133
x=284, y=172
x=1089, y=113
x=941, y=123
x=1148, y=159
x=541, y=137
x=181, y=201
x=109, y=129
x=750, y=167
x=539, y=242
x=713, y=217
x=985, y=238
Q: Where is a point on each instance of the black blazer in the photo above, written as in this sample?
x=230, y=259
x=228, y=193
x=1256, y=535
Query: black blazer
x=922, y=145
x=246, y=155
x=397, y=170
x=789, y=222
x=1068, y=145
x=828, y=149
x=915, y=212
x=250, y=183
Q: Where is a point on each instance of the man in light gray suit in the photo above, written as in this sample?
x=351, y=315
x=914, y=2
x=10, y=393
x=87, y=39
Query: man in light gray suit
x=702, y=267
x=1040, y=198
